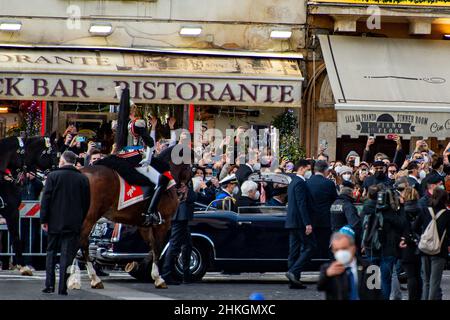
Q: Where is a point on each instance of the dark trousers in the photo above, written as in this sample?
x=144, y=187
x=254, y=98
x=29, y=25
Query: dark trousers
x=301, y=249
x=412, y=270
x=323, y=236
x=67, y=244
x=180, y=241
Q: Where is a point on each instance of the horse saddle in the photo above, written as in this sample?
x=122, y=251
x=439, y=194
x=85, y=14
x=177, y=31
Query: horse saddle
x=131, y=194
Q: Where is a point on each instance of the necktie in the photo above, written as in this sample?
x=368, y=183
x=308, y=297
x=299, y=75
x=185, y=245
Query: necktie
x=353, y=290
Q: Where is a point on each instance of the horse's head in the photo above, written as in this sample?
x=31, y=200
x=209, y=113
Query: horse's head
x=41, y=153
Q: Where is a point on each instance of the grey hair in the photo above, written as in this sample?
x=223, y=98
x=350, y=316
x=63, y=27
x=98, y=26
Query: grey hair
x=69, y=157
x=248, y=186
x=338, y=236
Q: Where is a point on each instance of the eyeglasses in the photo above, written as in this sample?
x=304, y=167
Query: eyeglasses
x=392, y=171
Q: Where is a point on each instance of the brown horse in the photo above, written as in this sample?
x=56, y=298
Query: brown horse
x=104, y=188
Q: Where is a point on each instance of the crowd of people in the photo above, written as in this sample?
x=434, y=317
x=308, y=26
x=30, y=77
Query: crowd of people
x=399, y=198
x=403, y=224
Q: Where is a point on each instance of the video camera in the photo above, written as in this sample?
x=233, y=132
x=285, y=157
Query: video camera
x=388, y=198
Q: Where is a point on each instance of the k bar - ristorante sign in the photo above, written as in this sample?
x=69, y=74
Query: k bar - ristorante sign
x=172, y=79
x=406, y=124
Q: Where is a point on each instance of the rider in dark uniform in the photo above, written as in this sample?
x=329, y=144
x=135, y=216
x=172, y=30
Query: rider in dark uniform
x=140, y=142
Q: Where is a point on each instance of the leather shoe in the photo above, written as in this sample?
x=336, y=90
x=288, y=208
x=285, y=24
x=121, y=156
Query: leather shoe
x=48, y=290
x=62, y=293
x=293, y=279
x=296, y=286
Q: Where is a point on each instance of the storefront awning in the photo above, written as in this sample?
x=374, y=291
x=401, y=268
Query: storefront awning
x=90, y=76
x=406, y=82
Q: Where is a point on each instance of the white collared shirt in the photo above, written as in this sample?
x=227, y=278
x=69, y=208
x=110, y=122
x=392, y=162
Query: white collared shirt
x=415, y=178
x=303, y=178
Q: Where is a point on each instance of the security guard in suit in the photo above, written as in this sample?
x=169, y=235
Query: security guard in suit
x=180, y=238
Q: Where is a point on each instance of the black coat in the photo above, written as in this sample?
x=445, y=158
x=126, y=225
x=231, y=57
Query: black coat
x=336, y=288
x=423, y=202
x=323, y=193
x=243, y=201
x=242, y=173
x=372, y=180
x=344, y=212
x=299, y=208
x=443, y=223
x=393, y=228
x=65, y=201
x=185, y=210
x=410, y=254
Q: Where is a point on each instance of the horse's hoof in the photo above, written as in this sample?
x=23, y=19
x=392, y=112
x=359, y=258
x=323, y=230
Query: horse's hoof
x=160, y=284
x=132, y=266
x=98, y=286
x=26, y=271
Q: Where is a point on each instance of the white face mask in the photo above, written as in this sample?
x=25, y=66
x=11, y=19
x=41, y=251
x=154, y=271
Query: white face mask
x=236, y=190
x=391, y=175
x=343, y=256
x=422, y=174
x=257, y=166
x=347, y=177
x=208, y=178
x=257, y=195
x=308, y=174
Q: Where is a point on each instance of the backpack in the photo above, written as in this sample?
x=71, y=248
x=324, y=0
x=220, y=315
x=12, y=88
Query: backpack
x=429, y=240
x=372, y=229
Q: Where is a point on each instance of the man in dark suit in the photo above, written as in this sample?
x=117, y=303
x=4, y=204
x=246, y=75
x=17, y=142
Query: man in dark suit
x=348, y=278
x=243, y=172
x=180, y=238
x=298, y=220
x=323, y=193
x=65, y=203
x=413, y=177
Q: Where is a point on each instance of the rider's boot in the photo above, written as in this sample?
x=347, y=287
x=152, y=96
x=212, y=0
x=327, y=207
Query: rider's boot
x=153, y=217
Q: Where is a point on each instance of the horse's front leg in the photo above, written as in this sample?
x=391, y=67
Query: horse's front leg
x=96, y=282
x=157, y=240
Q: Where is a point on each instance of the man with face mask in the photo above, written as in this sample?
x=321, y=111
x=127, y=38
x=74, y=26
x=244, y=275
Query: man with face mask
x=379, y=177
x=348, y=277
x=249, y=197
x=229, y=189
x=302, y=242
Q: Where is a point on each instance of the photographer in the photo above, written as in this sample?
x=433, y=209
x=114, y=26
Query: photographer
x=383, y=225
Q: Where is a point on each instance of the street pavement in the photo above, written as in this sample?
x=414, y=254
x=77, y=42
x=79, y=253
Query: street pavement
x=215, y=286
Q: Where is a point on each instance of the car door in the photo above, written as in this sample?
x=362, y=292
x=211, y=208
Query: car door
x=263, y=236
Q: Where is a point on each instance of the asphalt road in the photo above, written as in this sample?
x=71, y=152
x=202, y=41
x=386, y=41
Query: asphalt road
x=215, y=286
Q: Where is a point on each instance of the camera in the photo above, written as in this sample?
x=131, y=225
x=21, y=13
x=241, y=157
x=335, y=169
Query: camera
x=388, y=199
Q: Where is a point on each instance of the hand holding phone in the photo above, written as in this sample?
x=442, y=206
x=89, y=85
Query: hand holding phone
x=357, y=161
x=391, y=137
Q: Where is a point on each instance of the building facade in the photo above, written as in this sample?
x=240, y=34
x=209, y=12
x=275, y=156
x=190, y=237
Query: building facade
x=376, y=68
x=230, y=62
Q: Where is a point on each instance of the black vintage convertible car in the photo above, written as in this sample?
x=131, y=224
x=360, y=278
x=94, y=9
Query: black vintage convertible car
x=251, y=240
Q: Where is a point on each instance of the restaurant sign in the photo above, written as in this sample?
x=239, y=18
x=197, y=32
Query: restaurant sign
x=405, y=124
x=172, y=79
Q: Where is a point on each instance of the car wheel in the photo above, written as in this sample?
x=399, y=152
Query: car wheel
x=200, y=256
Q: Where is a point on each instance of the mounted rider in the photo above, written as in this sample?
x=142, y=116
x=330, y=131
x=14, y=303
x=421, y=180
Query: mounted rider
x=133, y=140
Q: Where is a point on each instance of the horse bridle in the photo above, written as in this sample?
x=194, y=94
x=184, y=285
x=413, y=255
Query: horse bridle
x=48, y=150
